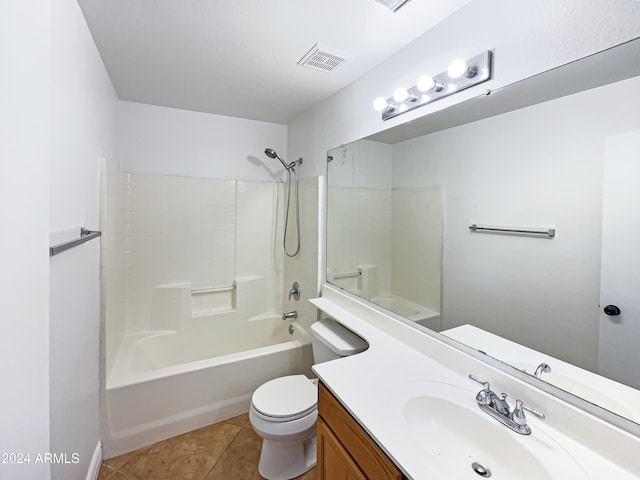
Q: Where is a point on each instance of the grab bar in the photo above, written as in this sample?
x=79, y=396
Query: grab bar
x=522, y=231
x=347, y=274
x=227, y=288
x=85, y=236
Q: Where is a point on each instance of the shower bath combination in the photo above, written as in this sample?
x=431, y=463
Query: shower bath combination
x=290, y=168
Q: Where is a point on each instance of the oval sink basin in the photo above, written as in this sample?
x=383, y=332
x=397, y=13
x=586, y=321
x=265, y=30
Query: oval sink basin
x=462, y=440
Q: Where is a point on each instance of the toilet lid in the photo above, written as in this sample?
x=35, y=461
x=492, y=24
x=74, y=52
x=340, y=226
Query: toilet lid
x=293, y=396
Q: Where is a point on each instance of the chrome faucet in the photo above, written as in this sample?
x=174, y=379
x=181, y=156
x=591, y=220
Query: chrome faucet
x=498, y=407
x=542, y=368
x=290, y=315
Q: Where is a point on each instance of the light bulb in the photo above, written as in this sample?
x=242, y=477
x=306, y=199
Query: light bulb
x=400, y=94
x=380, y=104
x=425, y=82
x=457, y=68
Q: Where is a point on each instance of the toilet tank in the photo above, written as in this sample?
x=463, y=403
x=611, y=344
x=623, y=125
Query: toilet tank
x=331, y=341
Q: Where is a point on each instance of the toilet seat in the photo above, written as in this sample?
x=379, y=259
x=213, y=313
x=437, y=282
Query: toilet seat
x=286, y=398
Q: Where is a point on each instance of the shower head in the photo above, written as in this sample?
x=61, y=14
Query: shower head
x=271, y=153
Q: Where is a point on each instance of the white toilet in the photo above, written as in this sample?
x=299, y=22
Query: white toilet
x=284, y=410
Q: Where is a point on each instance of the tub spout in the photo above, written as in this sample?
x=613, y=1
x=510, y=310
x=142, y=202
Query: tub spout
x=290, y=315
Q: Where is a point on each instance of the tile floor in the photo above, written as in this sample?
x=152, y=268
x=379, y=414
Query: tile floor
x=226, y=450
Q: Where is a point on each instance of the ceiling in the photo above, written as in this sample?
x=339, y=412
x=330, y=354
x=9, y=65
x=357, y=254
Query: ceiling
x=239, y=57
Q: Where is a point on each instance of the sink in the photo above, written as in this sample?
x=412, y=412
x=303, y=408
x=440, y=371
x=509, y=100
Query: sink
x=461, y=441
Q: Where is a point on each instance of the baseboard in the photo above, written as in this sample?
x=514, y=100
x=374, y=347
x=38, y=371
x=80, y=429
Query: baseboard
x=96, y=462
x=117, y=443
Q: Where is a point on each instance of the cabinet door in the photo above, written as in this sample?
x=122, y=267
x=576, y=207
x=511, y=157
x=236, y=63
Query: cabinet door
x=370, y=461
x=334, y=463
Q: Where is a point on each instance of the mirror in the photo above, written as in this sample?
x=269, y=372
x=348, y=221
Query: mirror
x=384, y=244
x=544, y=153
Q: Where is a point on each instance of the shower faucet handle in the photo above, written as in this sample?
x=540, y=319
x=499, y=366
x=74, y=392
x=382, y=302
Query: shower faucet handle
x=295, y=291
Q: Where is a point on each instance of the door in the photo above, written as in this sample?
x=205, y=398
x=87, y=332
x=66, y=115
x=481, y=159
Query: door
x=619, y=340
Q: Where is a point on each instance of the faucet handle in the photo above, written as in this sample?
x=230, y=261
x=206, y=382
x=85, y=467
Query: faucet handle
x=481, y=382
x=518, y=415
x=295, y=291
x=537, y=413
x=484, y=396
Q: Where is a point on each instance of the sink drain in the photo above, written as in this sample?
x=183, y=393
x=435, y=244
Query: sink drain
x=481, y=469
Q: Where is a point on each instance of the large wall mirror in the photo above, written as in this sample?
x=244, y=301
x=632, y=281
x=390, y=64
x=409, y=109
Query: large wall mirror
x=559, y=151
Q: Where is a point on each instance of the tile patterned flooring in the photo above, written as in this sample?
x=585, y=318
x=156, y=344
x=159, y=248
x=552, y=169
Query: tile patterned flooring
x=226, y=450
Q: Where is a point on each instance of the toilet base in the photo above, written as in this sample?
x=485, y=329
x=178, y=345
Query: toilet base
x=283, y=461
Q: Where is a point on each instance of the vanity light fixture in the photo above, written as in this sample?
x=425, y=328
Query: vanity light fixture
x=460, y=75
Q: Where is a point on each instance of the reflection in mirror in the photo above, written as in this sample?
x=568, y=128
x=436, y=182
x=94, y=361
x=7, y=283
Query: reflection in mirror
x=534, y=154
x=385, y=244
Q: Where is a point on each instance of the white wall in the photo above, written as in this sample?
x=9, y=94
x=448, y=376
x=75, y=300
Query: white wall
x=83, y=114
x=527, y=38
x=168, y=141
x=24, y=237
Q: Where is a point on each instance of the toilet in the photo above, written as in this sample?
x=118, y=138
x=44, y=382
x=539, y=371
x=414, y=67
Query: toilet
x=284, y=410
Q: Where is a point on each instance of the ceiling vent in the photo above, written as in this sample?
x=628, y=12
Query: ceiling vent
x=323, y=58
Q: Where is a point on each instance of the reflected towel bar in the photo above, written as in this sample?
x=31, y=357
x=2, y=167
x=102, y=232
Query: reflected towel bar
x=550, y=233
x=347, y=274
x=85, y=236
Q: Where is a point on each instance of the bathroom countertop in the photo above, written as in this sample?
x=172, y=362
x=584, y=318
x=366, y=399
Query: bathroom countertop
x=369, y=384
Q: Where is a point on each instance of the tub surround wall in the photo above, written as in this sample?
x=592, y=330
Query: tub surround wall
x=303, y=268
x=190, y=247
x=113, y=202
x=203, y=268
x=181, y=231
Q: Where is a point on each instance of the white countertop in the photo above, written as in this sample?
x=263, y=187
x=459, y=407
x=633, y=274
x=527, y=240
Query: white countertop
x=367, y=385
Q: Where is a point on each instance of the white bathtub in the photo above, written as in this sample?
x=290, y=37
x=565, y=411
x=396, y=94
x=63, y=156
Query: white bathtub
x=167, y=383
x=412, y=311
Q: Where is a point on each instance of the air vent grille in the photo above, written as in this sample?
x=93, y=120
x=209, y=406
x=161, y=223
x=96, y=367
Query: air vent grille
x=323, y=58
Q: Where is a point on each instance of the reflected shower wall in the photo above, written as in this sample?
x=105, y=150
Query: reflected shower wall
x=384, y=244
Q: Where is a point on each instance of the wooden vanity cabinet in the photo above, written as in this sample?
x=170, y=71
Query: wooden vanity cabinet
x=345, y=450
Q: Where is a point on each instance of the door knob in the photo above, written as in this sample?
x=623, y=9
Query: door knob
x=611, y=310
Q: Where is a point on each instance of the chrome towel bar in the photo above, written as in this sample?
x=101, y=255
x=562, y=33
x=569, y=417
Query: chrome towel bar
x=85, y=236
x=521, y=231
x=226, y=288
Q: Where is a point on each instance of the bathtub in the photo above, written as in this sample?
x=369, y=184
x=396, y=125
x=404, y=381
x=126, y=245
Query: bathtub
x=165, y=383
x=412, y=311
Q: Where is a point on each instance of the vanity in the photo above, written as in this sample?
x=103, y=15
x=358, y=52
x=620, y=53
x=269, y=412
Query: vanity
x=345, y=450
x=405, y=408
